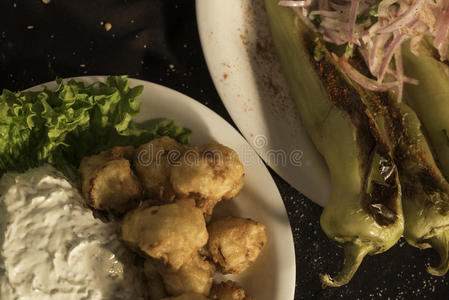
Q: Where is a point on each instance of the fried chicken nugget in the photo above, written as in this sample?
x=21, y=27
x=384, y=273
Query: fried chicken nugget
x=228, y=290
x=188, y=296
x=211, y=173
x=152, y=162
x=235, y=243
x=107, y=181
x=195, y=276
x=172, y=232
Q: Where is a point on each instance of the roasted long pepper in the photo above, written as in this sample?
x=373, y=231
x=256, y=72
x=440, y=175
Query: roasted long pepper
x=364, y=212
x=430, y=98
x=425, y=194
x=425, y=190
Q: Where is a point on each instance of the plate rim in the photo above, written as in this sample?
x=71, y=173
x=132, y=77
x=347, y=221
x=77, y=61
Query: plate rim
x=316, y=195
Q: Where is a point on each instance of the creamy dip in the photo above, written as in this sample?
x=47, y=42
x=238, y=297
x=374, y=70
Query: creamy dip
x=54, y=248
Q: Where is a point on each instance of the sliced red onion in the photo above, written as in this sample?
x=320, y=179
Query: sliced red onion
x=404, y=19
x=361, y=79
x=377, y=53
x=372, y=53
x=291, y=3
x=334, y=37
x=352, y=19
x=399, y=72
x=394, y=44
x=346, y=21
x=411, y=80
x=304, y=19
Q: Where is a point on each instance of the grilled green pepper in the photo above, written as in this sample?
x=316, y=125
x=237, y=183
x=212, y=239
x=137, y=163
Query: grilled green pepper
x=426, y=209
x=425, y=195
x=430, y=99
x=425, y=190
x=364, y=212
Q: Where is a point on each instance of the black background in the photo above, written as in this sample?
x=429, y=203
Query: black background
x=157, y=40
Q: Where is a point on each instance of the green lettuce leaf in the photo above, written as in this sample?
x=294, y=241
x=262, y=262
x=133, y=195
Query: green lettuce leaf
x=63, y=125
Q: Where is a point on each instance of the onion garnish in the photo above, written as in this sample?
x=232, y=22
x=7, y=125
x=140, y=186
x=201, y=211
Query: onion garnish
x=294, y=3
x=361, y=79
x=378, y=29
x=352, y=20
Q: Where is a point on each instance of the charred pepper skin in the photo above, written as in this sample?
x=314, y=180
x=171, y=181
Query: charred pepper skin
x=364, y=213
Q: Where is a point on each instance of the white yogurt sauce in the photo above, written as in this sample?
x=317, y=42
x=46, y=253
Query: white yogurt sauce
x=53, y=246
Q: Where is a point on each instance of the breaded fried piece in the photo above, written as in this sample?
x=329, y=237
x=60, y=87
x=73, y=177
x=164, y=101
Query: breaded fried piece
x=195, y=276
x=228, y=290
x=205, y=205
x=211, y=173
x=155, y=285
x=235, y=243
x=107, y=181
x=153, y=161
x=171, y=233
x=188, y=296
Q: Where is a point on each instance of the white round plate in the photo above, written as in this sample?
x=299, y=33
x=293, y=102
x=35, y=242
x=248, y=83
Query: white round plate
x=239, y=52
x=272, y=277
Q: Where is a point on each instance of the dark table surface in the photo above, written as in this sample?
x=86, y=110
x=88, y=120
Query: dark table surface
x=67, y=38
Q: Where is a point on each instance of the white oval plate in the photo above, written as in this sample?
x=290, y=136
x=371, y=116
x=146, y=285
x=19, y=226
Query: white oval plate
x=272, y=277
x=239, y=52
